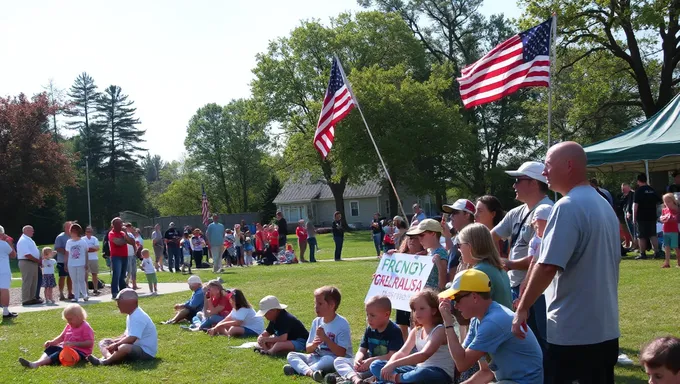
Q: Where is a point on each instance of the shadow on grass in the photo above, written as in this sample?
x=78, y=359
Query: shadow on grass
x=144, y=365
x=628, y=374
x=8, y=321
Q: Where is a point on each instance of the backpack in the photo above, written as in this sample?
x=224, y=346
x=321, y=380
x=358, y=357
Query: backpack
x=100, y=284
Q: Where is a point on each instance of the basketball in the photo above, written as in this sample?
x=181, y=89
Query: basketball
x=68, y=357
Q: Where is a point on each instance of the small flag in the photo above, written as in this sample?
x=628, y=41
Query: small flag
x=337, y=103
x=204, y=207
x=521, y=61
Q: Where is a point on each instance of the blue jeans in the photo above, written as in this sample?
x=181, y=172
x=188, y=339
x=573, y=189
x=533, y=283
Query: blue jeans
x=119, y=267
x=412, y=374
x=538, y=318
x=338, y=246
x=377, y=241
x=175, y=258
x=211, y=321
x=311, y=242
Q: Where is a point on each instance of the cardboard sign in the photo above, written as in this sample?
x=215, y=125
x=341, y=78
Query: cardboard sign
x=399, y=276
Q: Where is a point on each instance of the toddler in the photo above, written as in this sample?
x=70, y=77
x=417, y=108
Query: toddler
x=329, y=338
x=48, y=281
x=186, y=252
x=150, y=271
x=77, y=335
x=248, y=250
x=669, y=218
x=661, y=359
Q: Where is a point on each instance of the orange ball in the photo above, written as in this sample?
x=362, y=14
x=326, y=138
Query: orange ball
x=68, y=357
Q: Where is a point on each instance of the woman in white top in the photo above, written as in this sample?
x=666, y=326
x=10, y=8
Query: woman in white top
x=92, y=258
x=76, y=262
x=6, y=253
x=241, y=321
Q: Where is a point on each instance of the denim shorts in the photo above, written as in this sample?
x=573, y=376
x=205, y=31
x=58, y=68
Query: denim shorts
x=247, y=332
x=300, y=345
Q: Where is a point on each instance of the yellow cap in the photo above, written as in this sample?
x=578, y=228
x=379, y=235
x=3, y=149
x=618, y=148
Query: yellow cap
x=469, y=280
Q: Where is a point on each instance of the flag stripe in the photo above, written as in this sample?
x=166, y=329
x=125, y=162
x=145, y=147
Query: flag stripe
x=511, y=41
x=498, y=74
x=507, y=91
x=505, y=78
x=503, y=58
x=507, y=63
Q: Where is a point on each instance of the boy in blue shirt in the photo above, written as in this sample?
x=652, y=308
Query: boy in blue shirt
x=381, y=340
x=329, y=337
x=188, y=310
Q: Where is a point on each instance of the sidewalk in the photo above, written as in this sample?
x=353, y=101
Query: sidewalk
x=163, y=288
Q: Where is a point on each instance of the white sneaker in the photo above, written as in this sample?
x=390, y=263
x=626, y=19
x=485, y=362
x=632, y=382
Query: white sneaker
x=74, y=300
x=624, y=360
x=86, y=298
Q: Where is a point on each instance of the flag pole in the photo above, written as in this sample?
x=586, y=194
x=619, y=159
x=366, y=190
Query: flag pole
x=553, y=37
x=351, y=92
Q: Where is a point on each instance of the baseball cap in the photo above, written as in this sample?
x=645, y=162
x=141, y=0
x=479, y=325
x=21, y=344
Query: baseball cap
x=425, y=225
x=469, y=280
x=267, y=304
x=542, y=212
x=532, y=169
x=193, y=279
x=464, y=205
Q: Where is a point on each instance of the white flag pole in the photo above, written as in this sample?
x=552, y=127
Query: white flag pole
x=553, y=38
x=349, y=88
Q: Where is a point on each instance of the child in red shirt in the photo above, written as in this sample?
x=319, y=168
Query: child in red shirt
x=77, y=335
x=669, y=218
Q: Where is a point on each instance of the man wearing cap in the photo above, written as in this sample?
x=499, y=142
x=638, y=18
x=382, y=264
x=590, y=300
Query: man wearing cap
x=284, y=333
x=429, y=231
x=462, y=213
x=140, y=340
x=513, y=360
x=188, y=310
x=579, y=259
x=531, y=189
x=172, y=237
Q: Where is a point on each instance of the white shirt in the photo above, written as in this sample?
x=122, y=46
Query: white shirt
x=92, y=242
x=131, y=249
x=77, y=252
x=26, y=246
x=139, y=325
x=5, y=250
x=48, y=266
x=147, y=266
x=248, y=319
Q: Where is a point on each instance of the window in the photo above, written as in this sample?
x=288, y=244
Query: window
x=354, y=208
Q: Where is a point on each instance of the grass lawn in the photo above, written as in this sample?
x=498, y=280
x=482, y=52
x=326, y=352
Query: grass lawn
x=357, y=244
x=647, y=296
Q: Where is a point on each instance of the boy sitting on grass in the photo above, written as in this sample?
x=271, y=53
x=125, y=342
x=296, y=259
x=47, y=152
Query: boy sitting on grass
x=329, y=337
x=661, y=359
x=381, y=340
x=285, y=333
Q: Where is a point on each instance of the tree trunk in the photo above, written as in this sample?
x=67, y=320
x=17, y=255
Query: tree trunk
x=338, y=190
x=244, y=189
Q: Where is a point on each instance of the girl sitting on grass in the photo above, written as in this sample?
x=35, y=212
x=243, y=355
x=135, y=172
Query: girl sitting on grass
x=241, y=321
x=432, y=362
x=77, y=335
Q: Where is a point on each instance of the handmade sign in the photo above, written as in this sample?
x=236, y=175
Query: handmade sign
x=399, y=276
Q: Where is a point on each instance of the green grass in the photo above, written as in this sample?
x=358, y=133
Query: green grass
x=357, y=244
x=647, y=301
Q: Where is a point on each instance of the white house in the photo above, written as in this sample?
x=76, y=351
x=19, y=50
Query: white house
x=313, y=200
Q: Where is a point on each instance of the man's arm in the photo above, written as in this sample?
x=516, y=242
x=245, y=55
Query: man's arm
x=635, y=212
x=519, y=264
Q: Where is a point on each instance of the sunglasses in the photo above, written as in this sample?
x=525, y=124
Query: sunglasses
x=521, y=179
x=457, y=299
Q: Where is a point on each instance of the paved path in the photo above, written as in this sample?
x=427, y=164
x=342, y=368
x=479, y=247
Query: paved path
x=163, y=288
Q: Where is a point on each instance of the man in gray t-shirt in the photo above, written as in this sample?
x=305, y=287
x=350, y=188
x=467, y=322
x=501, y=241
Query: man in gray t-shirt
x=60, y=247
x=579, y=260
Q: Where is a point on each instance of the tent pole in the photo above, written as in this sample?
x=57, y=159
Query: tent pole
x=649, y=180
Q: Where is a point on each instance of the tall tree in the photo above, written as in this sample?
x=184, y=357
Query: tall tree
x=152, y=166
x=57, y=99
x=643, y=35
x=267, y=208
x=33, y=168
x=117, y=118
x=82, y=109
x=207, y=145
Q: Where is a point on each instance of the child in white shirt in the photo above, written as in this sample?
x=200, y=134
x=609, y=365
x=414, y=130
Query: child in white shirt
x=150, y=271
x=48, y=282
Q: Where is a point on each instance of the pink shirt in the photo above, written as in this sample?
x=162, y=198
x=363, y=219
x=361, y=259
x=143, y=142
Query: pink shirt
x=80, y=334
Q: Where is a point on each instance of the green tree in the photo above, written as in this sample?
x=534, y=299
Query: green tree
x=641, y=35
x=83, y=97
x=152, y=166
x=182, y=197
x=267, y=208
x=57, y=100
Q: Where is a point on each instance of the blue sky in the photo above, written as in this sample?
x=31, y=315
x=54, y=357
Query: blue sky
x=171, y=57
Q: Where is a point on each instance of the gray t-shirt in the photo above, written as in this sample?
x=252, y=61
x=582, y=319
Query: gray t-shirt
x=582, y=239
x=509, y=227
x=60, y=242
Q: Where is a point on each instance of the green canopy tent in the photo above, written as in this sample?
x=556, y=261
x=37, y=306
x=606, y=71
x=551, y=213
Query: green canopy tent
x=653, y=145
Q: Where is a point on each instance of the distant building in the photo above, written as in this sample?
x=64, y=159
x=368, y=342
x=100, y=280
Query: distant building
x=313, y=200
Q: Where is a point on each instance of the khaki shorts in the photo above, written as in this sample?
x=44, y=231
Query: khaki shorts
x=93, y=266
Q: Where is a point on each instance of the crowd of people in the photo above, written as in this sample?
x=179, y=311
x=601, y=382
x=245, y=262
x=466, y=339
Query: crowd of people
x=532, y=292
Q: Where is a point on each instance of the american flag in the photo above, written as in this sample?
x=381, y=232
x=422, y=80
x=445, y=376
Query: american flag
x=519, y=62
x=204, y=207
x=337, y=103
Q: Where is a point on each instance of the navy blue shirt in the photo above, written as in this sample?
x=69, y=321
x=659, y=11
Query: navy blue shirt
x=286, y=323
x=381, y=343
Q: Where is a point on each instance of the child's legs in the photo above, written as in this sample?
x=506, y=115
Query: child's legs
x=325, y=364
x=301, y=362
x=280, y=347
x=78, y=277
x=48, y=294
x=211, y=321
x=344, y=366
x=376, y=367
x=410, y=374
x=50, y=356
x=155, y=287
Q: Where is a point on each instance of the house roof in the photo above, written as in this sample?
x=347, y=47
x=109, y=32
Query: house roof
x=305, y=190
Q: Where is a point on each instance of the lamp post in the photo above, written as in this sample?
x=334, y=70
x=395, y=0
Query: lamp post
x=87, y=177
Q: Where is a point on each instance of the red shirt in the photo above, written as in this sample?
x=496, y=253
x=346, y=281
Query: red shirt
x=301, y=233
x=259, y=240
x=274, y=239
x=671, y=225
x=222, y=300
x=117, y=250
